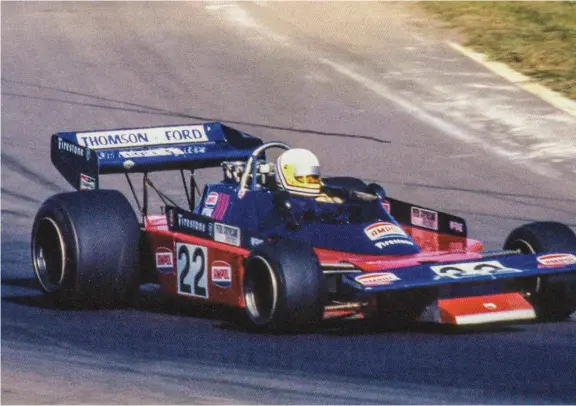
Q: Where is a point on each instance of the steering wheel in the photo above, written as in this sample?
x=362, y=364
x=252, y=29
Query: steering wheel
x=251, y=165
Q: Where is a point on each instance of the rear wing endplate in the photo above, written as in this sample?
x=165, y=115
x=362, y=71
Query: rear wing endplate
x=82, y=156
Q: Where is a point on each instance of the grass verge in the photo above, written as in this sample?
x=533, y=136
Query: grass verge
x=535, y=38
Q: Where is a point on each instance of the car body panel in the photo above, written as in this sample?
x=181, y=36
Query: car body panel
x=369, y=245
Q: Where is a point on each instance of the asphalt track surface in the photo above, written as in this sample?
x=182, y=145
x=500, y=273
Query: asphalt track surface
x=374, y=90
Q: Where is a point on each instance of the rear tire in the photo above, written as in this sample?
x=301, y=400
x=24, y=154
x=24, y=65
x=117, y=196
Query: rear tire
x=85, y=248
x=553, y=296
x=283, y=287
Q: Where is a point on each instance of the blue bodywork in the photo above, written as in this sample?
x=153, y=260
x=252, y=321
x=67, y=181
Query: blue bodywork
x=486, y=281
x=147, y=150
x=341, y=227
x=358, y=227
x=338, y=227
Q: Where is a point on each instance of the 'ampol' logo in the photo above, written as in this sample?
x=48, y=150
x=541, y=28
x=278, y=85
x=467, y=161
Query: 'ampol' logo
x=379, y=230
x=556, y=260
x=164, y=260
x=377, y=279
x=221, y=274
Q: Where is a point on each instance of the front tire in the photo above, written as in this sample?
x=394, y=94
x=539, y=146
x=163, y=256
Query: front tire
x=283, y=287
x=553, y=296
x=84, y=248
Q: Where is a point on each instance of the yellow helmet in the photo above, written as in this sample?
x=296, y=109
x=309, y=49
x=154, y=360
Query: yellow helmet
x=298, y=172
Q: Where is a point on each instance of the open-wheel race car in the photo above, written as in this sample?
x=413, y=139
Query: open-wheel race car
x=284, y=260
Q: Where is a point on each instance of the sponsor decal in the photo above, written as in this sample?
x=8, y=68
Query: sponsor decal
x=424, y=218
x=227, y=234
x=192, y=270
x=106, y=154
x=171, y=218
x=145, y=153
x=456, y=226
x=387, y=243
x=490, y=306
x=222, y=206
x=221, y=274
x=192, y=224
x=386, y=205
x=556, y=260
x=254, y=242
x=87, y=182
x=211, y=199
x=381, y=230
x=376, y=279
x=206, y=211
x=456, y=246
x=195, y=150
x=164, y=260
x=472, y=269
x=142, y=137
x=70, y=147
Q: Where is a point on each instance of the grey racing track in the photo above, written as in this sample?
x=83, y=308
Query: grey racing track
x=376, y=92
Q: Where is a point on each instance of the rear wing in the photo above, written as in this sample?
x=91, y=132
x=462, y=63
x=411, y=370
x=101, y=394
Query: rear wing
x=81, y=157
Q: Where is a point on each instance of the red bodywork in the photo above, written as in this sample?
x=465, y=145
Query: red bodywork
x=435, y=247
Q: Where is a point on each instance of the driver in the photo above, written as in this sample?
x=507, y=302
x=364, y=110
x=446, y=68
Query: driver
x=298, y=172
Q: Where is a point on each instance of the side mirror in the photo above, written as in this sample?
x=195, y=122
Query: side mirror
x=376, y=189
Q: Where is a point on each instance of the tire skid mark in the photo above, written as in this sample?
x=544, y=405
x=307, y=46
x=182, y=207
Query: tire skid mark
x=321, y=389
x=16, y=166
x=437, y=121
x=19, y=196
x=142, y=109
x=8, y=212
x=482, y=192
x=450, y=120
x=516, y=198
x=497, y=216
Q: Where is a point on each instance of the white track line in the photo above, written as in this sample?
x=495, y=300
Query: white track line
x=523, y=81
x=443, y=125
x=237, y=14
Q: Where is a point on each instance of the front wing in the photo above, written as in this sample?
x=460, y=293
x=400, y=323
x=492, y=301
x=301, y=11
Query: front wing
x=469, y=292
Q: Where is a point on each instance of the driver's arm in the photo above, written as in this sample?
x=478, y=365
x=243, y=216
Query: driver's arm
x=325, y=198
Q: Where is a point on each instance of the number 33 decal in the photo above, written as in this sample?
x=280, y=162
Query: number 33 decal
x=192, y=277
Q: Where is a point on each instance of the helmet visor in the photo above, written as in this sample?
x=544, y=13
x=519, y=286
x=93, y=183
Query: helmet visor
x=308, y=179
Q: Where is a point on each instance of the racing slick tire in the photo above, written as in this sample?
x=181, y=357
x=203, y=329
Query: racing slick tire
x=84, y=249
x=283, y=287
x=553, y=296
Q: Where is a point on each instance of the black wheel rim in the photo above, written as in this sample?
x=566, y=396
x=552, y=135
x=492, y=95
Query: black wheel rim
x=48, y=255
x=260, y=291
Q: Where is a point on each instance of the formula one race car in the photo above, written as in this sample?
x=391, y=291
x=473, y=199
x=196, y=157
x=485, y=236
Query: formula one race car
x=249, y=244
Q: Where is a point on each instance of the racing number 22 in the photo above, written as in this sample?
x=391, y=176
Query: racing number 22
x=192, y=277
